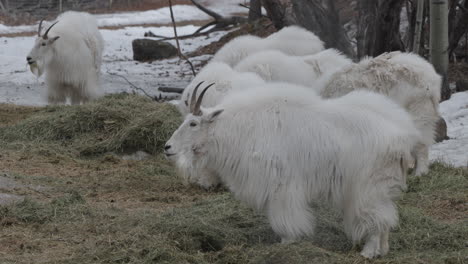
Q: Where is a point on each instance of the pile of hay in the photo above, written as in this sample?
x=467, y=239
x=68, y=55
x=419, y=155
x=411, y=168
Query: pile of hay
x=115, y=123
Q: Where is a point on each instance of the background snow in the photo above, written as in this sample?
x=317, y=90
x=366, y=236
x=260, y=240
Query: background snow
x=455, y=150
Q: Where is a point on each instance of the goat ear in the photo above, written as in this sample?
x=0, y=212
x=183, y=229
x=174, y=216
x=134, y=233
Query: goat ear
x=210, y=117
x=52, y=40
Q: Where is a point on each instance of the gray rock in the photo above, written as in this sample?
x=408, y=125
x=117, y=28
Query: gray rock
x=149, y=50
x=441, y=130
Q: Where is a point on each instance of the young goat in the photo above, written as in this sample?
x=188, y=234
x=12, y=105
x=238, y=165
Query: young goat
x=278, y=147
x=70, y=52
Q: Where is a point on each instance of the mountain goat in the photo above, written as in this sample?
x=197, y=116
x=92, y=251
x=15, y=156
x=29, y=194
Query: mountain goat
x=275, y=66
x=70, y=52
x=406, y=78
x=226, y=80
x=291, y=40
x=279, y=146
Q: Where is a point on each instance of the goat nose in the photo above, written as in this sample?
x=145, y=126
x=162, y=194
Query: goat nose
x=167, y=147
x=28, y=58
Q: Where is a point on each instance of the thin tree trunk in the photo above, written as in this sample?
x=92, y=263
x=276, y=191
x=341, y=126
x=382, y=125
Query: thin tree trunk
x=411, y=14
x=439, y=42
x=255, y=11
x=366, y=31
x=459, y=28
x=280, y=12
x=418, y=26
x=379, y=27
x=60, y=6
x=2, y=7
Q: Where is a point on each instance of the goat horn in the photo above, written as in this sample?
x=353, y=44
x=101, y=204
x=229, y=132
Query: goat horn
x=47, y=31
x=196, y=110
x=194, y=97
x=40, y=28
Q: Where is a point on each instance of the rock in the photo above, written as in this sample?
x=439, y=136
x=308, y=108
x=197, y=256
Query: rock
x=149, y=50
x=461, y=86
x=441, y=130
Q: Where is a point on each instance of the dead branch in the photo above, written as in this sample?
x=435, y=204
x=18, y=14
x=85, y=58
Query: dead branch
x=254, y=11
x=211, y=13
x=171, y=90
x=159, y=98
x=220, y=22
x=181, y=55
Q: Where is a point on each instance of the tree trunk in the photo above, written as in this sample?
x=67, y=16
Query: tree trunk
x=459, y=28
x=439, y=42
x=366, y=31
x=320, y=17
x=418, y=26
x=379, y=27
x=280, y=12
x=2, y=7
x=255, y=11
x=411, y=10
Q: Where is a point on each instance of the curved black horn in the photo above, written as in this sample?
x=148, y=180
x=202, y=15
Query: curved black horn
x=47, y=31
x=40, y=28
x=194, y=96
x=196, y=110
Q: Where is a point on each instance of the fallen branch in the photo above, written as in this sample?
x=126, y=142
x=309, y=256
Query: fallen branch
x=171, y=90
x=159, y=98
x=219, y=22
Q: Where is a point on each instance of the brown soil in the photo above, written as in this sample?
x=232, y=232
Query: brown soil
x=10, y=114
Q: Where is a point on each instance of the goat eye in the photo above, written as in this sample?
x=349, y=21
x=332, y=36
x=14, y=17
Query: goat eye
x=192, y=124
x=43, y=44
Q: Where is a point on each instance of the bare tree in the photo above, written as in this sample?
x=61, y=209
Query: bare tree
x=439, y=41
x=458, y=24
x=255, y=11
x=379, y=27
x=318, y=16
x=418, y=26
x=2, y=7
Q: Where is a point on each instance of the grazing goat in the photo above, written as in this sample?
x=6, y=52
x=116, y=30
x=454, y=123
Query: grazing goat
x=226, y=79
x=70, y=52
x=279, y=147
x=408, y=79
x=275, y=66
x=291, y=40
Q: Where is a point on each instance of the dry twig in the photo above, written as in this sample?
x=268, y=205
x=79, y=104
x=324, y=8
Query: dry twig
x=182, y=56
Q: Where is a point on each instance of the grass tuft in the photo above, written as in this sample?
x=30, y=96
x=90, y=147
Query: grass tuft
x=122, y=123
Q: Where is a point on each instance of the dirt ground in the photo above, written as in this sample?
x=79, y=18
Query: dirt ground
x=71, y=206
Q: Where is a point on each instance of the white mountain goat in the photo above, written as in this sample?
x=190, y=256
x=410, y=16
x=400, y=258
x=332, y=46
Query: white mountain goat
x=292, y=40
x=70, y=52
x=226, y=80
x=275, y=66
x=278, y=147
x=408, y=79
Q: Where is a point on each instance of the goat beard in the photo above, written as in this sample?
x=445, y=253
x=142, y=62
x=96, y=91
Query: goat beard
x=37, y=68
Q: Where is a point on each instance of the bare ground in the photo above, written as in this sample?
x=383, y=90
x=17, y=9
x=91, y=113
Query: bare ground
x=103, y=208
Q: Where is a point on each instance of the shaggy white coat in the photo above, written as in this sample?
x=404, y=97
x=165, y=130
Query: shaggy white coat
x=291, y=40
x=276, y=66
x=278, y=147
x=72, y=58
x=226, y=80
x=408, y=79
